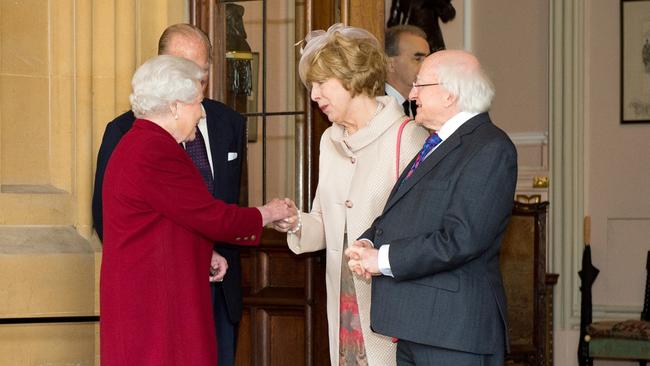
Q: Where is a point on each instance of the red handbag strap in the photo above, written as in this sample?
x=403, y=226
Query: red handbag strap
x=399, y=141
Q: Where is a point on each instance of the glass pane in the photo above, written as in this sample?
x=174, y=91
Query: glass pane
x=280, y=157
x=254, y=161
x=285, y=27
x=245, y=75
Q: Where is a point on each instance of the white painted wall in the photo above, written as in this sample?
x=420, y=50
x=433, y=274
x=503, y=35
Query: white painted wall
x=511, y=38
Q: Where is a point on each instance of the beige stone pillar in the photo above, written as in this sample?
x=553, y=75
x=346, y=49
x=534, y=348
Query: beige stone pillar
x=66, y=72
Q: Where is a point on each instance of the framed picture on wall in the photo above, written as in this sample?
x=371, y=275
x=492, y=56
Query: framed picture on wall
x=635, y=61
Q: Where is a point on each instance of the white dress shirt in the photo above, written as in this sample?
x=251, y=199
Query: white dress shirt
x=397, y=95
x=394, y=93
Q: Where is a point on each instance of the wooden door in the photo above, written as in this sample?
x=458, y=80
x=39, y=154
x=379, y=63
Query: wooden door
x=284, y=320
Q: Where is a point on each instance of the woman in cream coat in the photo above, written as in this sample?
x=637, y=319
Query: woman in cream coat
x=344, y=68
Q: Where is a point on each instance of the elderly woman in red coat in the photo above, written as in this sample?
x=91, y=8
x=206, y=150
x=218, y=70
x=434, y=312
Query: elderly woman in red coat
x=160, y=223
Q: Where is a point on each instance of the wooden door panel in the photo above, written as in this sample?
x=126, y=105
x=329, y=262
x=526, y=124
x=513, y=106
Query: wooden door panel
x=284, y=300
x=271, y=273
x=281, y=269
x=286, y=330
x=244, y=340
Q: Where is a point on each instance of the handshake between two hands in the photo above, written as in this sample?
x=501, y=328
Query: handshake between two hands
x=283, y=216
x=281, y=213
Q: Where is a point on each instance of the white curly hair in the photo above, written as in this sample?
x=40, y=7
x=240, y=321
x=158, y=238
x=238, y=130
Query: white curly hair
x=161, y=81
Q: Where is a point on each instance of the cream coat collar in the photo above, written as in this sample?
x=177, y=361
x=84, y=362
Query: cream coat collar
x=389, y=115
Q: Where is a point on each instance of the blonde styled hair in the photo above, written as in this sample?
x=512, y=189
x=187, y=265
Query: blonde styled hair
x=351, y=55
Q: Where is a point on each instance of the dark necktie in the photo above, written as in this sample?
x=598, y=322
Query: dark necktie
x=409, y=108
x=197, y=151
x=429, y=144
x=414, y=109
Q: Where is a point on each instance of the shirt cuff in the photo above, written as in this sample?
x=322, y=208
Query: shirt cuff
x=369, y=242
x=383, y=262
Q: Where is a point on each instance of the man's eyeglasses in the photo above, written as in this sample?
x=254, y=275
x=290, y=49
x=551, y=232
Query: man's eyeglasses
x=421, y=85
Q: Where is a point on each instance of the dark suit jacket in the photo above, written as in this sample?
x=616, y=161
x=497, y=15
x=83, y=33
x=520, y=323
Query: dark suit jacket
x=444, y=226
x=226, y=131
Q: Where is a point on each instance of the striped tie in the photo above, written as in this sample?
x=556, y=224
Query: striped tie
x=429, y=144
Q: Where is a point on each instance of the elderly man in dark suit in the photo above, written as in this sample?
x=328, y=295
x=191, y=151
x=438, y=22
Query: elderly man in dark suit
x=222, y=134
x=435, y=248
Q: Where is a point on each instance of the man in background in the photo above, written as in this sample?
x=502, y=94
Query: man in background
x=217, y=152
x=406, y=47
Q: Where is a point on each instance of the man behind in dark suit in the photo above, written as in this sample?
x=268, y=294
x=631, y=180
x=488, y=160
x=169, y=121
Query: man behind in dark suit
x=406, y=47
x=435, y=248
x=225, y=130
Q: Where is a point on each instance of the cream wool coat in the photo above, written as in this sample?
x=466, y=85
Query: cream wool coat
x=356, y=176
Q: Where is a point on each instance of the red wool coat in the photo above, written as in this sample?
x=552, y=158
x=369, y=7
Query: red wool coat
x=160, y=223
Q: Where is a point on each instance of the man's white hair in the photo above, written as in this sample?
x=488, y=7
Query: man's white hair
x=163, y=80
x=471, y=86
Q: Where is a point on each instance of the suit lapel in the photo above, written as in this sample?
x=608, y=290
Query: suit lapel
x=445, y=148
x=219, y=142
x=425, y=167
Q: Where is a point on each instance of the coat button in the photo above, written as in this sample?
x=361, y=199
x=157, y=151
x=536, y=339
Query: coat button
x=379, y=231
x=348, y=204
x=353, y=160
